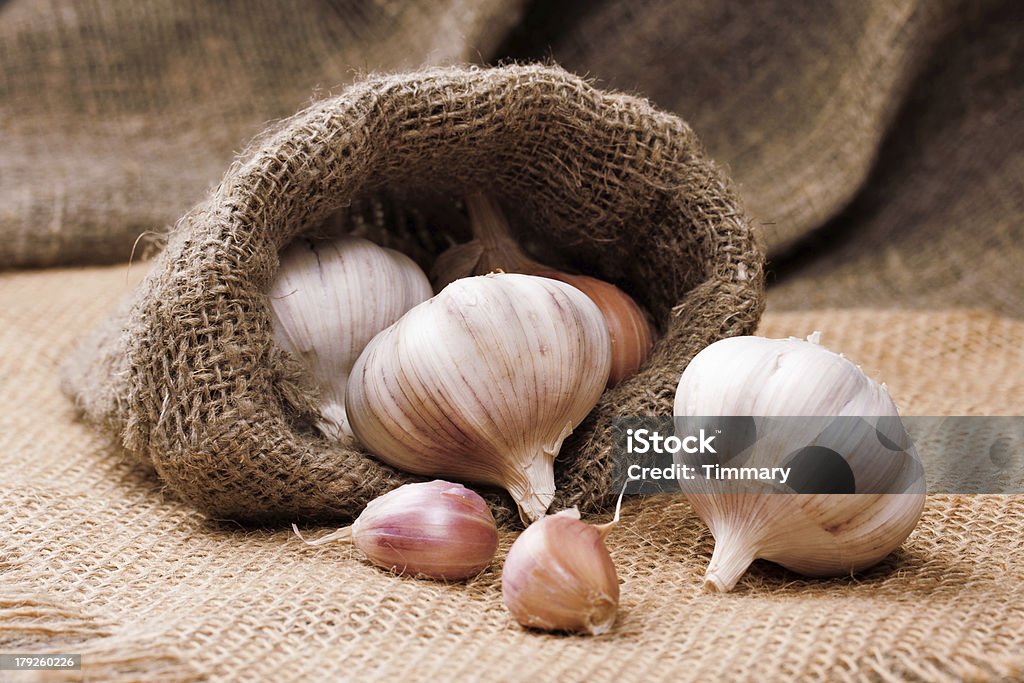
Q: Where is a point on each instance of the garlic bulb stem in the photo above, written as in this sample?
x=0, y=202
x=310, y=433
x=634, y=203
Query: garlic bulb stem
x=500, y=250
x=533, y=486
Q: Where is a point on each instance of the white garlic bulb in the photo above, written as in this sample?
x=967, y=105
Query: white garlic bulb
x=435, y=529
x=559, y=576
x=853, y=514
x=483, y=383
x=328, y=300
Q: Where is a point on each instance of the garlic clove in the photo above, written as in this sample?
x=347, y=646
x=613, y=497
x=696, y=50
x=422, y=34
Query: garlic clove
x=559, y=576
x=435, y=529
x=815, y=534
x=483, y=383
x=328, y=300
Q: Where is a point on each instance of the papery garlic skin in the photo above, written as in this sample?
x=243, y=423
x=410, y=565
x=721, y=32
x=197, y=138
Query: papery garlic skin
x=483, y=383
x=559, y=577
x=434, y=529
x=328, y=300
x=810, y=533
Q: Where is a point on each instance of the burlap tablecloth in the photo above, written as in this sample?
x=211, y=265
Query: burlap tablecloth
x=877, y=143
x=96, y=560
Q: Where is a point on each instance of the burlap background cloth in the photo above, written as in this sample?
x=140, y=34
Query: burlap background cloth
x=877, y=143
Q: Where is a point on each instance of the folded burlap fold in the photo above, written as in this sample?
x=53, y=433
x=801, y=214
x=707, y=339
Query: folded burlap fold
x=187, y=376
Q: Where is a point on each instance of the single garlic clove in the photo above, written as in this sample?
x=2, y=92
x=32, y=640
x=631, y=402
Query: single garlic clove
x=559, y=577
x=435, y=529
x=483, y=383
x=814, y=533
x=328, y=300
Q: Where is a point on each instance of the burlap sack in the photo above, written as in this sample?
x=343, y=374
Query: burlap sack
x=189, y=380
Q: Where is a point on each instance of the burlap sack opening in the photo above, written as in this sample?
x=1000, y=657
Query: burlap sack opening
x=187, y=375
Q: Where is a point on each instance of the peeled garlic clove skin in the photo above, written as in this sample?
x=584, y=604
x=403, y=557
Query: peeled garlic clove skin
x=559, y=577
x=483, y=382
x=631, y=334
x=812, y=534
x=328, y=300
x=436, y=529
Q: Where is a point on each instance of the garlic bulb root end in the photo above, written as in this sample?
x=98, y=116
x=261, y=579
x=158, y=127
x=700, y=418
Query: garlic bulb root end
x=729, y=562
x=333, y=423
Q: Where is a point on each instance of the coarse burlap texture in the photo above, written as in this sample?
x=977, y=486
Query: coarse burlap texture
x=117, y=116
x=97, y=557
x=191, y=381
x=876, y=144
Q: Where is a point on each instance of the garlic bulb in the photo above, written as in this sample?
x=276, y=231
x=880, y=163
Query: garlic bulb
x=483, y=383
x=815, y=532
x=559, y=576
x=435, y=529
x=329, y=299
x=493, y=249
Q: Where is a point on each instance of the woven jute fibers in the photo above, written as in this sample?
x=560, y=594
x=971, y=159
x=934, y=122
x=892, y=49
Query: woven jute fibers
x=117, y=115
x=192, y=383
x=95, y=558
x=800, y=99
x=941, y=221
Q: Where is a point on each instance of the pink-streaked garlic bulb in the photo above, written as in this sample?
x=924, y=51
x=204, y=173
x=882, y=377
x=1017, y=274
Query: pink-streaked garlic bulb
x=483, y=383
